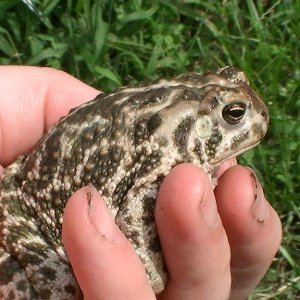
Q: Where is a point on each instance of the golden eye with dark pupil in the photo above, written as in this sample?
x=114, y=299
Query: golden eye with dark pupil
x=233, y=113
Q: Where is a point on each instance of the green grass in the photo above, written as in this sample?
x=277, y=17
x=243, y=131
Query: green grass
x=111, y=43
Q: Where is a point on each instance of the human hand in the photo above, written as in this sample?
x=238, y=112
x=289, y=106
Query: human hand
x=221, y=246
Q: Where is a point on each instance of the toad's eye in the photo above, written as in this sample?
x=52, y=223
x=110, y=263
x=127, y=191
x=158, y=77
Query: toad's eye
x=234, y=113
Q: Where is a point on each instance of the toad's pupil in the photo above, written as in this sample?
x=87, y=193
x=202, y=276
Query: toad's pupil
x=233, y=113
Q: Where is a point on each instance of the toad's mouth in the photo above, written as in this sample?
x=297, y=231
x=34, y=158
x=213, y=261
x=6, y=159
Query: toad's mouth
x=219, y=162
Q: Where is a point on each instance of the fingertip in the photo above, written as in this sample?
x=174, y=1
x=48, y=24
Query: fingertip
x=182, y=189
x=241, y=199
x=184, y=179
x=242, y=203
x=81, y=239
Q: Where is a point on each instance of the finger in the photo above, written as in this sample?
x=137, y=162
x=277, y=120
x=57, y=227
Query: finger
x=253, y=228
x=194, y=243
x=226, y=165
x=104, y=262
x=32, y=99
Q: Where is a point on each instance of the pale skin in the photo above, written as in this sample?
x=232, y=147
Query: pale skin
x=217, y=244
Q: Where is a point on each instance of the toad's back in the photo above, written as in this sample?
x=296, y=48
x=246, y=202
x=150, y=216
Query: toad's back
x=124, y=143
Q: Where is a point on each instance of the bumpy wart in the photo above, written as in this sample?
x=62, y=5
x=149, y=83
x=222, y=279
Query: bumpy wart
x=124, y=143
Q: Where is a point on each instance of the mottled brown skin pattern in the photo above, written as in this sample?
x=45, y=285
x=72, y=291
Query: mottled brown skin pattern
x=124, y=143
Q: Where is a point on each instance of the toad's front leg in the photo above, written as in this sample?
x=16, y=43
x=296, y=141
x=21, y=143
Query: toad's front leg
x=136, y=220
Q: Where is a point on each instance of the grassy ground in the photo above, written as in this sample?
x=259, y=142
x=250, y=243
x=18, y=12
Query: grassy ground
x=109, y=43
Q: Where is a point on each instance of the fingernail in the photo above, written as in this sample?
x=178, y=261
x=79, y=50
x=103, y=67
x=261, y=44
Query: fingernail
x=100, y=216
x=259, y=209
x=1, y=172
x=208, y=209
